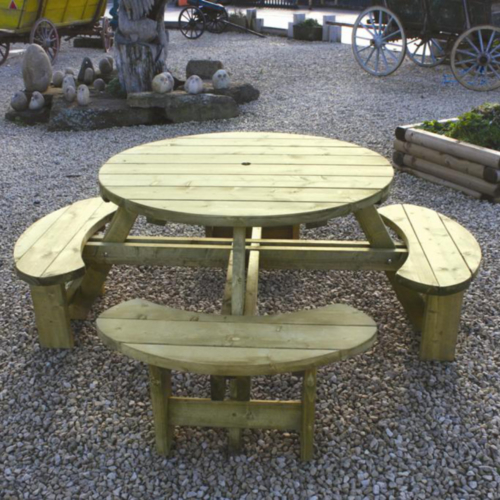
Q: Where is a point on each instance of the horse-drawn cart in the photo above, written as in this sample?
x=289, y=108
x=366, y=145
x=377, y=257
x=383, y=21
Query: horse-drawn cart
x=44, y=21
x=430, y=32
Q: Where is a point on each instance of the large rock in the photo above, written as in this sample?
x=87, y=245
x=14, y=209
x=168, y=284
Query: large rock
x=204, y=68
x=103, y=112
x=37, y=70
x=240, y=92
x=181, y=107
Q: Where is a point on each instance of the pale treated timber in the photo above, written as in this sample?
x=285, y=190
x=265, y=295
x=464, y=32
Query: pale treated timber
x=440, y=327
x=437, y=180
x=161, y=391
x=238, y=277
x=227, y=150
x=374, y=228
x=299, y=255
x=49, y=251
x=280, y=415
x=239, y=390
x=450, y=146
x=96, y=275
x=252, y=286
x=217, y=388
x=52, y=316
x=453, y=176
x=208, y=180
x=308, y=413
x=255, y=186
x=443, y=256
x=488, y=174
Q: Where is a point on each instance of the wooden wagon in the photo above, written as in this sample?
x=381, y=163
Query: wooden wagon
x=430, y=32
x=44, y=21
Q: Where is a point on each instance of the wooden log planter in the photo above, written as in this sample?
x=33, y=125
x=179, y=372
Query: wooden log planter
x=471, y=169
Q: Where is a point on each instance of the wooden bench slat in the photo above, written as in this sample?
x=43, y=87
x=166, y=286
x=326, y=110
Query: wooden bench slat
x=416, y=269
x=443, y=257
x=340, y=315
x=235, y=345
x=55, y=254
x=237, y=363
x=246, y=335
x=468, y=247
x=441, y=252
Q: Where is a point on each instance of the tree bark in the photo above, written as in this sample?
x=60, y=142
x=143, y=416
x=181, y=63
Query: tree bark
x=140, y=43
x=137, y=66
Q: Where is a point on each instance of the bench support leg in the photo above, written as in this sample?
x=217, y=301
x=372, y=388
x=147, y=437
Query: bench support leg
x=217, y=388
x=239, y=390
x=161, y=391
x=440, y=327
x=308, y=410
x=92, y=284
x=52, y=316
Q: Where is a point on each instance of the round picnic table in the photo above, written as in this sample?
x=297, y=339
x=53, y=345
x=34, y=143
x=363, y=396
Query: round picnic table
x=243, y=180
x=246, y=179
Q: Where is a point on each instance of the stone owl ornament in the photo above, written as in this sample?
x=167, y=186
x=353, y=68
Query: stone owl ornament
x=68, y=81
x=193, y=85
x=221, y=79
x=69, y=93
x=163, y=83
x=37, y=101
x=83, y=95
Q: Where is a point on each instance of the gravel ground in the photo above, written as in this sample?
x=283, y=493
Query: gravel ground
x=78, y=424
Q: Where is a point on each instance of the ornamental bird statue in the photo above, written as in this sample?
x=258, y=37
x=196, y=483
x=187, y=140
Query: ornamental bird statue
x=140, y=43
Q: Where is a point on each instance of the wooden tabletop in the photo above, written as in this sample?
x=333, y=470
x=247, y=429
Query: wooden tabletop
x=247, y=179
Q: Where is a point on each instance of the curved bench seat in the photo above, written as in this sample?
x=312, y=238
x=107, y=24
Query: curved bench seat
x=443, y=256
x=48, y=255
x=235, y=345
x=49, y=252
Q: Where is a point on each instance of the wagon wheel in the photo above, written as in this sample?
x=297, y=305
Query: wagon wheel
x=426, y=52
x=192, y=22
x=378, y=41
x=475, y=58
x=44, y=33
x=4, y=51
x=106, y=34
x=216, y=21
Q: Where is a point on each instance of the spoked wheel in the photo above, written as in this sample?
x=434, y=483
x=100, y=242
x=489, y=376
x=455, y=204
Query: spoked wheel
x=379, y=41
x=4, y=51
x=106, y=34
x=216, y=21
x=475, y=58
x=192, y=22
x=426, y=52
x=44, y=33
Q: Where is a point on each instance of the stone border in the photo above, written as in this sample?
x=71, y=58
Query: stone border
x=465, y=167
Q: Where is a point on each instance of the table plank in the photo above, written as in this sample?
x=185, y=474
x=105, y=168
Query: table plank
x=242, y=181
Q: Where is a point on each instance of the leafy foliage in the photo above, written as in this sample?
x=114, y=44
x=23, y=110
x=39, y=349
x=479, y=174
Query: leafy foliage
x=309, y=23
x=115, y=88
x=480, y=126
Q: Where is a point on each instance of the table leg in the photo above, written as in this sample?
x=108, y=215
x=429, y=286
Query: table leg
x=376, y=231
x=238, y=278
x=440, y=327
x=308, y=413
x=95, y=276
x=161, y=391
x=239, y=390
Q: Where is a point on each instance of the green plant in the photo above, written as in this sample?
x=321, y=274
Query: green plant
x=309, y=23
x=480, y=126
x=115, y=88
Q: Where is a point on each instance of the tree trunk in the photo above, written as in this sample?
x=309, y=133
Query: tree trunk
x=136, y=66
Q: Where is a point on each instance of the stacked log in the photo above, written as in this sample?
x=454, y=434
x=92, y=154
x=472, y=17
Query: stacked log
x=471, y=169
